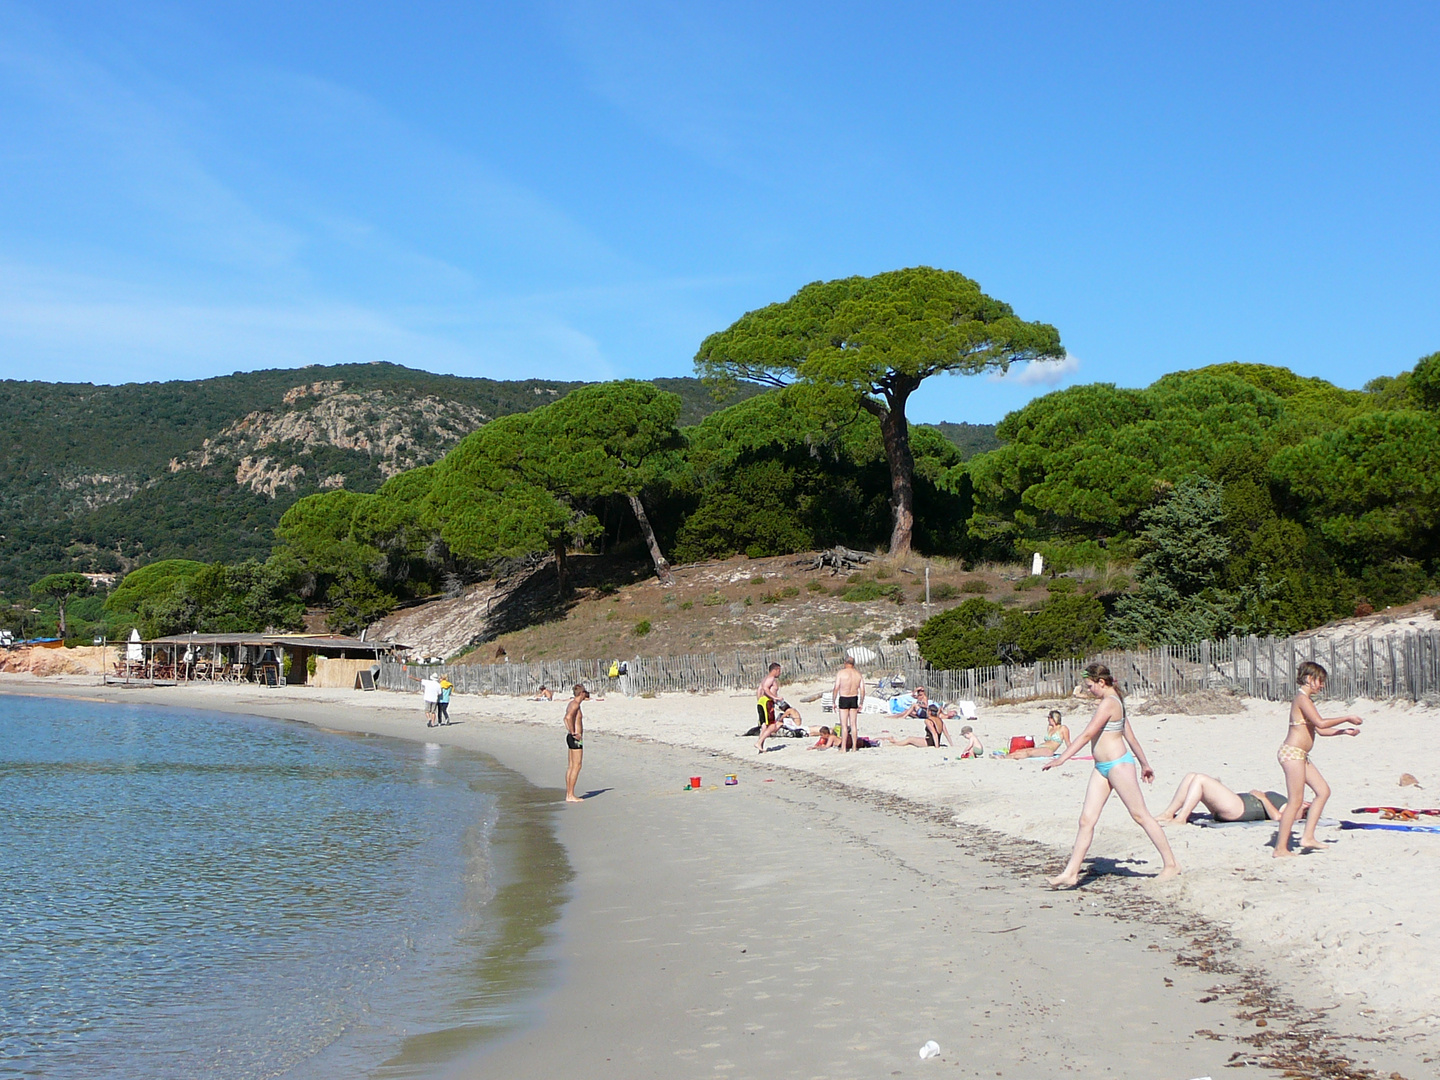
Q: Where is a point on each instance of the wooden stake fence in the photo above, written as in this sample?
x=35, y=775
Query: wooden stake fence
x=1397, y=666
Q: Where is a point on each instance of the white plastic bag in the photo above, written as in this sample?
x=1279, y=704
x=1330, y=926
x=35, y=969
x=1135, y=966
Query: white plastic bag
x=929, y=1050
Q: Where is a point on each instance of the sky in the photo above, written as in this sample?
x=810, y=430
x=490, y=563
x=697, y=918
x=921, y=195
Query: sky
x=586, y=190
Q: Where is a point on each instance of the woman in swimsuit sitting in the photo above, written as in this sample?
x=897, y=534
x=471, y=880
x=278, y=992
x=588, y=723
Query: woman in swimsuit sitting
x=1117, y=756
x=935, y=730
x=1057, y=738
x=1226, y=805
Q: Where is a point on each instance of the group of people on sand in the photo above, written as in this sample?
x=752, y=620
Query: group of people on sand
x=1120, y=760
x=848, y=695
x=1120, y=764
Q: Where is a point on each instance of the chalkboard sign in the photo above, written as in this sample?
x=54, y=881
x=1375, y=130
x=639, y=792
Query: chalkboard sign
x=271, y=674
x=365, y=680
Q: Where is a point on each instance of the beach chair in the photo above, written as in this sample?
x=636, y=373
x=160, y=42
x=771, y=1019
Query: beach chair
x=827, y=701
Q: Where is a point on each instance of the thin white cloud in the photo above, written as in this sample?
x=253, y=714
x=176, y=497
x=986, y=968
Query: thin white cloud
x=1040, y=372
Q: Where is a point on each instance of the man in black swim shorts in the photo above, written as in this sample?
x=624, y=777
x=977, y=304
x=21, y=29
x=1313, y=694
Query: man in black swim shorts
x=574, y=740
x=849, y=694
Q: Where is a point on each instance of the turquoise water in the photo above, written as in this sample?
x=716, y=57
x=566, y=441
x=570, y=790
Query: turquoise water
x=189, y=893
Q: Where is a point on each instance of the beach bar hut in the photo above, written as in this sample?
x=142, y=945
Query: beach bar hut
x=260, y=658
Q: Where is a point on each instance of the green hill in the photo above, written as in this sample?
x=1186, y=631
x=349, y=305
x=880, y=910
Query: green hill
x=96, y=478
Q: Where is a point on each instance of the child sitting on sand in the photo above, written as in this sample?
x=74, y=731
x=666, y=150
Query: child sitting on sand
x=972, y=743
x=1294, y=757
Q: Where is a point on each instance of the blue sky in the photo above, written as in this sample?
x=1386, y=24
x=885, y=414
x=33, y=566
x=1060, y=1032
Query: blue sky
x=587, y=190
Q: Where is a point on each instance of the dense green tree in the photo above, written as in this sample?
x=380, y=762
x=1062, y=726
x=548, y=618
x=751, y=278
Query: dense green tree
x=489, y=498
x=1372, y=486
x=61, y=588
x=966, y=636
x=1425, y=381
x=616, y=438
x=875, y=341
x=1183, y=552
x=143, y=586
x=1082, y=464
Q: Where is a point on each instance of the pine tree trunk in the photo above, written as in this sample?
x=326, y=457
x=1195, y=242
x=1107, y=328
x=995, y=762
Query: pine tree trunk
x=895, y=431
x=561, y=583
x=662, y=568
x=62, y=618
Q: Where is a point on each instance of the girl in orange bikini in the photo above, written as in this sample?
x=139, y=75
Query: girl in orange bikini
x=1294, y=757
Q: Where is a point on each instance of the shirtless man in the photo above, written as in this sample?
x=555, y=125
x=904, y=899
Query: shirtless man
x=849, y=694
x=765, y=699
x=574, y=740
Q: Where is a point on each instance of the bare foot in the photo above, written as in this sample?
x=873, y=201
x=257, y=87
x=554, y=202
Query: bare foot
x=1064, y=881
x=573, y=798
x=1164, y=821
x=1283, y=853
x=1167, y=872
x=1306, y=849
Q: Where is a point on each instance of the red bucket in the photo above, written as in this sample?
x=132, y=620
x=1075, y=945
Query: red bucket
x=1022, y=742
x=694, y=783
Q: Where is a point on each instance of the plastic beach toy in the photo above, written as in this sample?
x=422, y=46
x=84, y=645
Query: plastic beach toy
x=695, y=783
x=731, y=780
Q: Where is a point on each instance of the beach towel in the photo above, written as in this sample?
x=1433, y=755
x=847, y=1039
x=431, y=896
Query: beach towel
x=1389, y=828
x=1393, y=810
x=1210, y=823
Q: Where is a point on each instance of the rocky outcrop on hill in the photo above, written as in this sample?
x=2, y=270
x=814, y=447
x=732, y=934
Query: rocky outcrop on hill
x=397, y=430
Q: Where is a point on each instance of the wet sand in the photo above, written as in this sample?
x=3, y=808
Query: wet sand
x=807, y=925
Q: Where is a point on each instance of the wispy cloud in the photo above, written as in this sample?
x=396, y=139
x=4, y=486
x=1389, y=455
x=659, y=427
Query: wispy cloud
x=1040, y=372
x=218, y=261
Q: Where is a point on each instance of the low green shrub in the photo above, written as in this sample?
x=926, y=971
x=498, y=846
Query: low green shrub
x=863, y=591
x=943, y=590
x=642, y=628
x=975, y=585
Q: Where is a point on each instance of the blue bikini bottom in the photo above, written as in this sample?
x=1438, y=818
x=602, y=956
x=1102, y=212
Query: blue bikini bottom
x=1104, y=767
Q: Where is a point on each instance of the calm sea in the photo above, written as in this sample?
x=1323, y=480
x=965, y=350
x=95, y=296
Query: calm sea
x=187, y=893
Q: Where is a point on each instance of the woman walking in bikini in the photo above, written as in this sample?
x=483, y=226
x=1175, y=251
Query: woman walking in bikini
x=1108, y=734
x=1294, y=757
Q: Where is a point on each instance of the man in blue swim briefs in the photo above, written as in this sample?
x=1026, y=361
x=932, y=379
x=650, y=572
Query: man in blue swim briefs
x=574, y=740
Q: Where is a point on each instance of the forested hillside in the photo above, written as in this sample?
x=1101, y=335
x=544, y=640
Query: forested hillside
x=99, y=478
x=1230, y=498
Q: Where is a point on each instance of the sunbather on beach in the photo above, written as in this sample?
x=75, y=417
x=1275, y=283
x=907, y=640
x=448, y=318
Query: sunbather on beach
x=1224, y=804
x=1294, y=757
x=935, y=730
x=972, y=743
x=544, y=694
x=826, y=741
x=1057, y=738
x=1117, y=755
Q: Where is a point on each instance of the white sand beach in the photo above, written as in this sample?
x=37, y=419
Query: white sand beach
x=831, y=912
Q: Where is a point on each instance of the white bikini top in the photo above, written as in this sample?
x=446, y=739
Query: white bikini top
x=1117, y=725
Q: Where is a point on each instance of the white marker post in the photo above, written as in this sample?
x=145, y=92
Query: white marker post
x=1037, y=565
